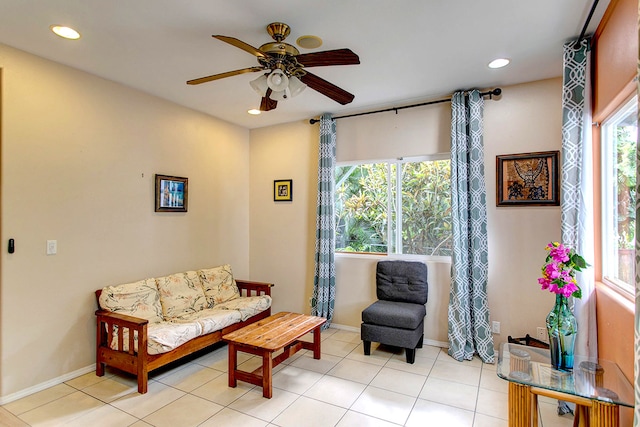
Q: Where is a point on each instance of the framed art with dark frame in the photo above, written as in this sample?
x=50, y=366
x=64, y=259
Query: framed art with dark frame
x=283, y=190
x=528, y=179
x=172, y=193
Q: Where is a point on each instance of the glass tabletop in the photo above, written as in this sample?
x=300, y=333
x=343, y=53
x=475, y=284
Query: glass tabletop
x=594, y=379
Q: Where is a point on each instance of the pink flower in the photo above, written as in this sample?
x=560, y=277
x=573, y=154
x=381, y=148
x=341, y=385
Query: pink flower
x=558, y=252
x=545, y=282
x=559, y=270
x=551, y=271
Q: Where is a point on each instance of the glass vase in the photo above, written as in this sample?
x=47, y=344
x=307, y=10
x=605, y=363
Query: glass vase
x=562, y=328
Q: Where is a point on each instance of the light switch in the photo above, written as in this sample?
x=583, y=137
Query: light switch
x=52, y=247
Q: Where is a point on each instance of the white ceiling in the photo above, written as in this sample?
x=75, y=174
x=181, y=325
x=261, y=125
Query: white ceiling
x=410, y=50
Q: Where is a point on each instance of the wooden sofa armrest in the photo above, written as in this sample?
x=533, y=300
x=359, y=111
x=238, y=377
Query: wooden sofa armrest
x=122, y=319
x=109, y=323
x=258, y=288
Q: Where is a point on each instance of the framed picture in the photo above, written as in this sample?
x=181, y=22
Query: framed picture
x=283, y=190
x=172, y=193
x=529, y=179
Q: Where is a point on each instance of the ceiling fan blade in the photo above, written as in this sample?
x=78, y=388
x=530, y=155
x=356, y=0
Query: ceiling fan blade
x=268, y=104
x=223, y=75
x=330, y=90
x=328, y=57
x=242, y=45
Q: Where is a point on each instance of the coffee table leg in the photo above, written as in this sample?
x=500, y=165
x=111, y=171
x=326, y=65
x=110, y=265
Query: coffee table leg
x=316, y=343
x=267, y=367
x=233, y=365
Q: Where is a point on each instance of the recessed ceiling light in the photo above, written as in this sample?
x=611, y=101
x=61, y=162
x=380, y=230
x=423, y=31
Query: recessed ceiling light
x=309, y=42
x=254, y=111
x=499, y=63
x=65, y=32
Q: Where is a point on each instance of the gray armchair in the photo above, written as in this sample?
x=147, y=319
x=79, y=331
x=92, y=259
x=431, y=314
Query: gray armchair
x=397, y=318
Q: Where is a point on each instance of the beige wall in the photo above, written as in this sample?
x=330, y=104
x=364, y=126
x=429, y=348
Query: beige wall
x=526, y=119
x=78, y=158
x=79, y=154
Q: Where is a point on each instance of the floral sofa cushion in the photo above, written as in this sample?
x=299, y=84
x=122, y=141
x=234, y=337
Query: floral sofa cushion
x=219, y=284
x=247, y=306
x=139, y=299
x=181, y=294
x=211, y=319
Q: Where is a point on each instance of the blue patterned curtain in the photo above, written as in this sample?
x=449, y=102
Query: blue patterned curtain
x=469, y=330
x=324, y=282
x=577, y=185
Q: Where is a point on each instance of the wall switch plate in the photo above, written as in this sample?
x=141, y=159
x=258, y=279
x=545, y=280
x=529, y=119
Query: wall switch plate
x=495, y=327
x=52, y=247
x=541, y=334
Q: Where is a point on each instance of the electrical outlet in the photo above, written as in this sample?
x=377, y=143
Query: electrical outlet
x=495, y=327
x=541, y=334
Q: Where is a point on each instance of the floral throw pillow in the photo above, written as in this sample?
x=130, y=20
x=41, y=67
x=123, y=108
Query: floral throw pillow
x=139, y=299
x=219, y=284
x=181, y=294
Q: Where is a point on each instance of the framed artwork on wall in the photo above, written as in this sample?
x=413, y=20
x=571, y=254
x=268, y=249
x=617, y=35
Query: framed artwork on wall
x=528, y=179
x=283, y=190
x=172, y=193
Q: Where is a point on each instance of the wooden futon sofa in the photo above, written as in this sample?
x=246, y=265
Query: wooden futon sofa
x=144, y=325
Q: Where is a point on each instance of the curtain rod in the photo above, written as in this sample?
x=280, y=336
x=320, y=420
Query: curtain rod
x=497, y=91
x=586, y=23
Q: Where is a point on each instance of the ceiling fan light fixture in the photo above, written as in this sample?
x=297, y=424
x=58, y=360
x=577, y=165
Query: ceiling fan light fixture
x=254, y=111
x=260, y=85
x=281, y=95
x=296, y=86
x=277, y=81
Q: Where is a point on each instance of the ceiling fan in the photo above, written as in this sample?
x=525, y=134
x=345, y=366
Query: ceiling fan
x=286, y=74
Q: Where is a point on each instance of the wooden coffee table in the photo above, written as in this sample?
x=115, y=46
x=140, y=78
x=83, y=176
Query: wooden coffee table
x=267, y=336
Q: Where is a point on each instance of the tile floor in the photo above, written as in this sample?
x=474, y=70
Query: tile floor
x=344, y=388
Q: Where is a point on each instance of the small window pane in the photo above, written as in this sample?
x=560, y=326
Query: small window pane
x=619, y=136
x=361, y=208
x=426, y=208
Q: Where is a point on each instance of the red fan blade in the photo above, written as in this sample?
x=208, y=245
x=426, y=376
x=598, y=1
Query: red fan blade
x=330, y=90
x=267, y=103
x=223, y=75
x=242, y=45
x=328, y=57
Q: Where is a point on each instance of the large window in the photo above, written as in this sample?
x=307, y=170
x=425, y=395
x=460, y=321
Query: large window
x=395, y=207
x=619, y=137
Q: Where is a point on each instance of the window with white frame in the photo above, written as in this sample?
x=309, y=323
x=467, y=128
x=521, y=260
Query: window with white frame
x=400, y=206
x=619, y=140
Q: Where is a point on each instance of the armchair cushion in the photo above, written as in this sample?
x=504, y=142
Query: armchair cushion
x=394, y=314
x=402, y=281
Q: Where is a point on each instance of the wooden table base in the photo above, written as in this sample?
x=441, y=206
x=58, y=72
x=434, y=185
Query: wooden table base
x=523, y=408
x=266, y=337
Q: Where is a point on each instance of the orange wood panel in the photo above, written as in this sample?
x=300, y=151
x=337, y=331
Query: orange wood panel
x=616, y=55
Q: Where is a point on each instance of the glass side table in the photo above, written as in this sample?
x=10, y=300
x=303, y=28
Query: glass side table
x=597, y=387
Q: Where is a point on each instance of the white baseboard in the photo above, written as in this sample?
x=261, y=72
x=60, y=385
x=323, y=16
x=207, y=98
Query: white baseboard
x=352, y=329
x=42, y=386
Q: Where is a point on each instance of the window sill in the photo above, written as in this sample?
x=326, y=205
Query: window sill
x=380, y=256
x=625, y=299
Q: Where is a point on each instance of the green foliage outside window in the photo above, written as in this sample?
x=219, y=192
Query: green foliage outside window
x=366, y=196
x=626, y=180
